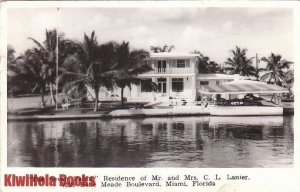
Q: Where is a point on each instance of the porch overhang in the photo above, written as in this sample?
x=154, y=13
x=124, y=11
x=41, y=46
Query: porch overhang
x=242, y=88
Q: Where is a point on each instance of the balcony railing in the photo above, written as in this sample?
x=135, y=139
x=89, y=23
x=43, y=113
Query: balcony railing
x=182, y=70
x=171, y=71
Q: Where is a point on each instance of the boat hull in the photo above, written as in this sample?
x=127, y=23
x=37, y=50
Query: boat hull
x=175, y=110
x=245, y=110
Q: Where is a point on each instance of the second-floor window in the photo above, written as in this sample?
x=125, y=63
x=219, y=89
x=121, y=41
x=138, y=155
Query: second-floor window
x=180, y=63
x=161, y=66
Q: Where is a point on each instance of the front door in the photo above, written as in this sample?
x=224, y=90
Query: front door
x=162, y=86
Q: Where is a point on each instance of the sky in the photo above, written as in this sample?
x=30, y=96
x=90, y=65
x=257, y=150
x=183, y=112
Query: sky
x=212, y=31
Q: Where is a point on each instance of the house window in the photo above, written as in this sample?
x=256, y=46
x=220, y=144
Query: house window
x=177, y=84
x=217, y=82
x=178, y=126
x=161, y=66
x=180, y=63
x=162, y=85
x=204, y=83
x=145, y=85
x=161, y=63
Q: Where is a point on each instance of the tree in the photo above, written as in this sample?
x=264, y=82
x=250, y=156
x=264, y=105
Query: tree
x=45, y=53
x=26, y=73
x=205, y=65
x=165, y=48
x=10, y=54
x=89, y=67
x=289, y=77
x=11, y=66
x=240, y=64
x=275, y=67
x=213, y=67
x=129, y=67
x=12, y=70
x=33, y=71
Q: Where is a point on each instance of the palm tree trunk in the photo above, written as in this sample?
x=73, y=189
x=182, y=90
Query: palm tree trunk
x=122, y=96
x=53, y=101
x=96, y=99
x=43, y=99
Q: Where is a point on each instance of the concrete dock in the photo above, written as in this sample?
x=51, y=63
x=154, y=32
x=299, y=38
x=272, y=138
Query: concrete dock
x=124, y=113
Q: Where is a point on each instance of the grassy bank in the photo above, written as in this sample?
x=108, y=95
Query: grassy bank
x=31, y=105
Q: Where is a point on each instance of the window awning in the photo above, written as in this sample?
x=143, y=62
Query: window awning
x=242, y=88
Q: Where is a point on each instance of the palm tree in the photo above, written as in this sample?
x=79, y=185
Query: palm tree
x=89, y=67
x=46, y=55
x=47, y=51
x=31, y=70
x=213, y=67
x=240, y=64
x=165, y=48
x=275, y=66
x=205, y=65
x=26, y=73
x=202, y=63
x=129, y=67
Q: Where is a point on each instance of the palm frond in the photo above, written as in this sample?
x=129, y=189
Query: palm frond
x=144, y=68
x=262, y=69
x=171, y=48
x=284, y=64
x=156, y=49
x=40, y=46
x=289, y=76
x=75, y=89
x=230, y=62
x=266, y=76
x=73, y=64
x=71, y=76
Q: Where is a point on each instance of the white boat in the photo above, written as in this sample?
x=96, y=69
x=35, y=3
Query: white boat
x=244, y=103
x=245, y=110
x=175, y=110
x=275, y=121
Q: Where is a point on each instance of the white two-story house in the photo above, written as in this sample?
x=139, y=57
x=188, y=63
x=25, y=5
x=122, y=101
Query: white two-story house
x=174, y=74
x=177, y=77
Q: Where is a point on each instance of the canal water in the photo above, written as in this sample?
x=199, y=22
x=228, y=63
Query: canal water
x=154, y=142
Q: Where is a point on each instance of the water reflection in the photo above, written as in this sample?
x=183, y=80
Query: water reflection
x=154, y=142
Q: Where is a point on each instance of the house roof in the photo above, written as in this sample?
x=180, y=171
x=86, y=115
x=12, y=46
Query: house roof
x=242, y=87
x=218, y=76
x=172, y=55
